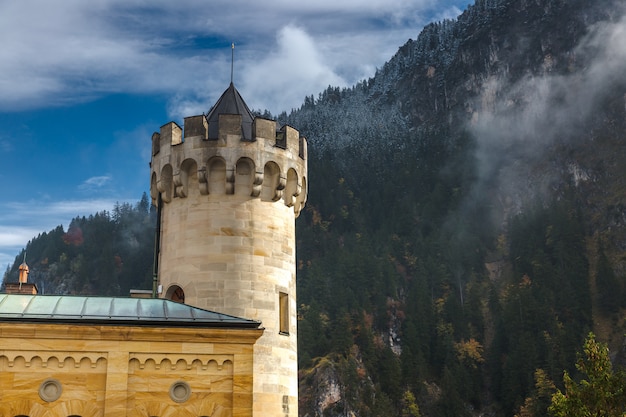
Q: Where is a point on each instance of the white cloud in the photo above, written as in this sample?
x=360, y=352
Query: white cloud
x=95, y=183
x=286, y=75
x=449, y=13
x=55, y=54
x=16, y=235
x=52, y=213
x=12, y=240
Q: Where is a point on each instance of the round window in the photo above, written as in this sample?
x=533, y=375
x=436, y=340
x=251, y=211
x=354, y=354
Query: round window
x=50, y=390
x=180, y=391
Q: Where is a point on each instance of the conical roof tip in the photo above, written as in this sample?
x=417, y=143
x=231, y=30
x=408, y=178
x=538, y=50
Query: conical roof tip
x=230, y=102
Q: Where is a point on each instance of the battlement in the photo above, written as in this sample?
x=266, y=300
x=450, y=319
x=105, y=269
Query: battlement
x=230, y=126
x=270, y=165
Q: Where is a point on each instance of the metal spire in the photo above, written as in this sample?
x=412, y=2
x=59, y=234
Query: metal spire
x=232, y=61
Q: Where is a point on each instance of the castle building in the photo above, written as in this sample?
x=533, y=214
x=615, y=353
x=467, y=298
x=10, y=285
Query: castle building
x=229, y=187
x=218, y=337
x=76, y=356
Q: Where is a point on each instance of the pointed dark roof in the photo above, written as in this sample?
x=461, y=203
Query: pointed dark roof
x=113, y=311
x=230, y=102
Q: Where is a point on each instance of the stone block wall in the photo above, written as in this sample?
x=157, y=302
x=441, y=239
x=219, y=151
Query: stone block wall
x=49, y=370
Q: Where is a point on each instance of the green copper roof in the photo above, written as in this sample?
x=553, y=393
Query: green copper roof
x=112, y=311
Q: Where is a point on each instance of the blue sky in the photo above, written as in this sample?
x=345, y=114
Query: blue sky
x=83, y=84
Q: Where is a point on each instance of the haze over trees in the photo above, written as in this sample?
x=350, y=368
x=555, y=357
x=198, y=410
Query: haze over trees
x=104, y=254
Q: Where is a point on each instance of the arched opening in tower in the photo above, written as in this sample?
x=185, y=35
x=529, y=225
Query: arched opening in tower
x=175, y=293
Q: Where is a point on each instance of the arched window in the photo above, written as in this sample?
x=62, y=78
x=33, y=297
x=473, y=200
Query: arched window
x=271, y=180
x=291, y=188
x=188, y=176
x=244, y=176
x=175, y=293
x=167, y=185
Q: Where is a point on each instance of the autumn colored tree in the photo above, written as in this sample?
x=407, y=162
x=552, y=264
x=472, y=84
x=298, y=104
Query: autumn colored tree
x=537, y=404
x=409, y=405
x=602, y=392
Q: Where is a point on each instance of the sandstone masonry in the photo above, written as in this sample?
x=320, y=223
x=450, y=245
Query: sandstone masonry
x=229, y=187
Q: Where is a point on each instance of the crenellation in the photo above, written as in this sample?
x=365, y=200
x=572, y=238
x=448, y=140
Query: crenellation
x=304, y=152
x=266, y=137
x=292, y=137
x=171, y=134
x=263, y=128
x=196, y=126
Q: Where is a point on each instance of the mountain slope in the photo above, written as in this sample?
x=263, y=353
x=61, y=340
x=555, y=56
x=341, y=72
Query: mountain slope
x=457, y=212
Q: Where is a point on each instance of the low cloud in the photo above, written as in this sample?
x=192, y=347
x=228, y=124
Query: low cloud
x=515, y=124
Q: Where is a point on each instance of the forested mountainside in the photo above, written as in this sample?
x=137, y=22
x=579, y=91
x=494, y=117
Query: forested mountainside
x=104, y=254
x=466, y=221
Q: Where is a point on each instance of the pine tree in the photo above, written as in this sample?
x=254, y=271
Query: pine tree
x=601, y=394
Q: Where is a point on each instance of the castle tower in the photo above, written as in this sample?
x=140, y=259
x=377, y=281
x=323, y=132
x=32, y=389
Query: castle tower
x=230, y=187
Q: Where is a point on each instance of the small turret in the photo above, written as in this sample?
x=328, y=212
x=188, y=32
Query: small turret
x=24, y=271
x=22, y=286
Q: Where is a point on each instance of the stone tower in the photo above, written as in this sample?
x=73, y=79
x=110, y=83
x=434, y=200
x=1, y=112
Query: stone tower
x=230, y=187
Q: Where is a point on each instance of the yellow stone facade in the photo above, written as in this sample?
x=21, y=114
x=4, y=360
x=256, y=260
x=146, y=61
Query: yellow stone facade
x=61, y=370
